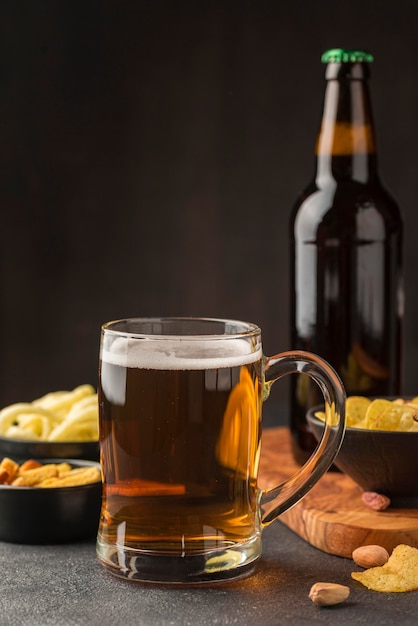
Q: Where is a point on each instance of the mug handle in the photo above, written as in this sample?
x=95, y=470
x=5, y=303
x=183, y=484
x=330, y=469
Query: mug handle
x=278, y=499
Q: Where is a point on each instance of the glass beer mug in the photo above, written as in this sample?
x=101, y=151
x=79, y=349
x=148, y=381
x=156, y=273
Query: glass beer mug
x=180, y=403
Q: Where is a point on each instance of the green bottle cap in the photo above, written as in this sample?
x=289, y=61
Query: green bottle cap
x=341, y=55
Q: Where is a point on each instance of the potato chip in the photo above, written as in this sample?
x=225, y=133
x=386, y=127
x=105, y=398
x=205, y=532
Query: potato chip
x=376, y=408
x=380, y=414
x=320, y=415
x=400, y=417
x=355, y=410
x=333, y=419
x=393, y=416
x=399, y=574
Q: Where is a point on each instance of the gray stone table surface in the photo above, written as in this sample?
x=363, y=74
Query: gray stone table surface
x=65, y=586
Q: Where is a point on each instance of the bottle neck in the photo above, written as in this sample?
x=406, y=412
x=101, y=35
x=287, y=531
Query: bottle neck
x=346, y=145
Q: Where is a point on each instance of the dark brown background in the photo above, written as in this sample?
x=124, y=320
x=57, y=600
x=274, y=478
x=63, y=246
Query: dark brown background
x=150, y=155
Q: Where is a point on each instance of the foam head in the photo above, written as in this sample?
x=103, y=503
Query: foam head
x=180, y=354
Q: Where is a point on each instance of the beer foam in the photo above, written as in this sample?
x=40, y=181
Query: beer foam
x=182, y=354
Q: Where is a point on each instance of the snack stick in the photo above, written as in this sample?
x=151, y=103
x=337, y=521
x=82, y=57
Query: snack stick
x=73, y=471
x=10, y=466
x=28, y=465
x=63, y=468
x=4, y=477
x=34, y=476
x=73, y=478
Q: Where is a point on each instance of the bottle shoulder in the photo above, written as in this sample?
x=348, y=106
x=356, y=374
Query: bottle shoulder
x=346, y=207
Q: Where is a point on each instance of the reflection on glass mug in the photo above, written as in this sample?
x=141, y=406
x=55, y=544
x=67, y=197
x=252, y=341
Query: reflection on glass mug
x=180, y=429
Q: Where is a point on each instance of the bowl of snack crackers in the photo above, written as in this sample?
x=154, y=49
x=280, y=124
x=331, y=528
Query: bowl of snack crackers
x=48, y=501
x=60, y=424
x=380, y=447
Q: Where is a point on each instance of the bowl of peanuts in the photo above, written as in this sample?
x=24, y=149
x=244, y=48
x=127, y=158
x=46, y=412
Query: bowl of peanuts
x=379, y=450
x=60, y=424
x=49, y=501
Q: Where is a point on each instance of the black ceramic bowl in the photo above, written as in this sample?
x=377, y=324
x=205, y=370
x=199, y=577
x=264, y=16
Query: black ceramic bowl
x=23, y=449
x=382, y=461
x=33, y=515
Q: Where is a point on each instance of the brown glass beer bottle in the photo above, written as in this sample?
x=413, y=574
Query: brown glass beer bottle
x=346, y=253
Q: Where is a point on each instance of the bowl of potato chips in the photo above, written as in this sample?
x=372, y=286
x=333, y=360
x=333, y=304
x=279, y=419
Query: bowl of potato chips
x=43, y=501
x=60, y=424
x=380, y=447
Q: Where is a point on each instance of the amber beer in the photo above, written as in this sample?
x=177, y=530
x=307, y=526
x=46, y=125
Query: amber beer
x=180, y=437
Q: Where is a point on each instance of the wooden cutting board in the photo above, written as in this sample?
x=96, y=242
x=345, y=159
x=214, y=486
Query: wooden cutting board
x=332, y=516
